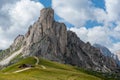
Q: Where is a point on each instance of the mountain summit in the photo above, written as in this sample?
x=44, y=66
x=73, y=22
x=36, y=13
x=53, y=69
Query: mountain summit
x=49, y=39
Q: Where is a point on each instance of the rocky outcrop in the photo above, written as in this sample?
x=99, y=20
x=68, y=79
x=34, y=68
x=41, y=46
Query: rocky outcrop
x=50, y=39
x=46, y=37
x=17, y=43
x=86, y=56
x=4, y=54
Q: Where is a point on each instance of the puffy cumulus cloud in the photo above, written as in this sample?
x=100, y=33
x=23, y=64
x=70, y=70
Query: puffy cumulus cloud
x=78, y=12
x=3, y=2
x=99, y=15
x=112, y=8
x=117, y=28
x=18, y=17
x=4, y=17
x=69, y=9
x=3, y=41
x=115, y=33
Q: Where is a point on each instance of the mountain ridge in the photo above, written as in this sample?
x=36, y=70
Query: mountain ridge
x=49, y=39
x=105, y=51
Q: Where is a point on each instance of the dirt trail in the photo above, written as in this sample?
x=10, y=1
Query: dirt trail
x=37, y=60
x=22, y=70
x=43, y=67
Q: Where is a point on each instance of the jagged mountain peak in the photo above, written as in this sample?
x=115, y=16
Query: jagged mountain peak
x=47, y=14
x=104, y=50
x=46, y=18
x=46, y=35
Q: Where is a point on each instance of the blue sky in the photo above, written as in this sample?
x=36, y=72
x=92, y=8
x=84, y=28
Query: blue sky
x=46, y=3
x=99, y=3
x=96, y=21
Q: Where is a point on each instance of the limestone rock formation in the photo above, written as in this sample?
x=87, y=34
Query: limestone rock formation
x=50, y=39
x=17, y=43
x=46, y=37
x=86, y=56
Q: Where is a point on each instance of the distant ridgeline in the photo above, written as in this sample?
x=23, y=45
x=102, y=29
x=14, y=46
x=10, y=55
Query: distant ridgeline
x=105, y=51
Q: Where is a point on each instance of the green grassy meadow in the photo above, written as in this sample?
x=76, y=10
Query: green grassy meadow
x=48, y=70
x=45, y=70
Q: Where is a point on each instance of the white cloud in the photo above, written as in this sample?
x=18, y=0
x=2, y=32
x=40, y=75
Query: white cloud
x=78, y=12
x=3, y=2
x=112, y=8
x=75, y=12
x=99, y=15
x=21, y=14
x=117, y=28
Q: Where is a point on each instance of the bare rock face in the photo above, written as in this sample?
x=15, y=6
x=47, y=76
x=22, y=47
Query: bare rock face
x=46, y=37
x=106, y=52
x=46, y=18
x=86, y=56
x=50, y=39
x=17, y=43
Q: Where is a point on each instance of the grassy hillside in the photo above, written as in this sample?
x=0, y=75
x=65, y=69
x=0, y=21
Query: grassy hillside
x=45, y=70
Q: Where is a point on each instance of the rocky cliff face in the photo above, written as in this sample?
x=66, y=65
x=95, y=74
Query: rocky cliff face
x=46, y=38
x=50, y=39
x=87, y=56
